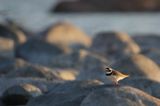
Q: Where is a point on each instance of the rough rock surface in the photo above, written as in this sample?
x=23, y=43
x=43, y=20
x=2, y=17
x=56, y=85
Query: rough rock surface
x=67, y=35
x=149, y=86
x=153, y=54
x=68, y=94
x=147, y=41
x=20, y=94
x=122, y=96
x=38, y=51
x=6, y=65
x=33, y=71
x=12, y=32
x=7, y=47
x=114, y=44
x=13, y=68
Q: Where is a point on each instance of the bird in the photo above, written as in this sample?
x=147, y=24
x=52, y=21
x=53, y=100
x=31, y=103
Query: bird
x=114, y=75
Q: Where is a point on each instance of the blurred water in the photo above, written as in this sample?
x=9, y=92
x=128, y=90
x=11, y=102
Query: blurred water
x=35, y=16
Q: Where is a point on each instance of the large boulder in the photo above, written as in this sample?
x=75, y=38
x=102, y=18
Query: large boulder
x=7, y=47
x=20, y=94
x=92, y=66
x=146, y=42
x=1, y=103
x=38, y=51
x=114, y=44
x=107, y=6
x=122, y=96
x=13, y=68
x=67, y=35
x=153, y=54
x=67, y=94
x=144, y=84
x=13, y=32
x=34, y=71
x=6, y=65
x=43, y=84
x=139, y=65
x=86, y=65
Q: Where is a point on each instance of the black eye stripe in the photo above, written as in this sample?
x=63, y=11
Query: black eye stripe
x=109, y=69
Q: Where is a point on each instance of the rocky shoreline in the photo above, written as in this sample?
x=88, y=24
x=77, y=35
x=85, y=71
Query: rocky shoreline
x=63, y=66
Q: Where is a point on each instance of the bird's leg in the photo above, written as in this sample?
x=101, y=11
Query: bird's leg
x=116, y=84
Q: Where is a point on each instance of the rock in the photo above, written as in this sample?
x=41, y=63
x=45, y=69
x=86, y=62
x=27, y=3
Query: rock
x=67, y=74
x=6, y=32
x=38, y=51
x=6, y=47
x=122, y=96
x=6, y=65
x=69, y=60
x=153, y=54
x=86, y=65
x=67, y=35
x=92, y=67
x=43, y=84
x=1, y=103
x=139, y=65
x=18, y=31
x=34, y=71
x=147, y=41
x=67, y=94
x=107, y=6
x=144, y=84
x=20, y=94
x=74, y=86
x=12, y=32
x=114, y=44
x=12, y=68
x=149, y=45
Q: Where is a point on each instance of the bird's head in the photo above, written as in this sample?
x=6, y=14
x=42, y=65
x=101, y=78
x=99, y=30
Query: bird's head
x=108, y=71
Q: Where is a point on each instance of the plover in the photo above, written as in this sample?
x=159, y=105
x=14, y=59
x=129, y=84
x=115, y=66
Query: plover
x=115, y=75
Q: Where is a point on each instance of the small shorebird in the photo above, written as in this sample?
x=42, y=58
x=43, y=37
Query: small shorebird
x=115, y=75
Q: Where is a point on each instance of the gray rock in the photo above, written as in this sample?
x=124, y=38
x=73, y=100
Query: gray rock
x=7, y=47
x=69, y=60
x=78, y=59
x=42, y=84
x=121, y=96
x=154, y=54
x=19, y=34
x=20, y=94
x=114, y=45
x=74, y=86
x=6, y=65
x=87, y=65
x=145, y=84
x=147, y=41
x=34, y=71
x=139, y=66
x=92, y=66
x=67, y=35
x=38, y=51
x=67, y=94
x=1, y=103
x=12, y=68
x=6, y=32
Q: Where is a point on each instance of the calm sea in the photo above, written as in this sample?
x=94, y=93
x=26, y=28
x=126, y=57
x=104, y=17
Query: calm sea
x=34, y=15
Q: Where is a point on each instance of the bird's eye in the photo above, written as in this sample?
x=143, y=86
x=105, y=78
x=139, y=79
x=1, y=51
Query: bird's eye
x=109, y=69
